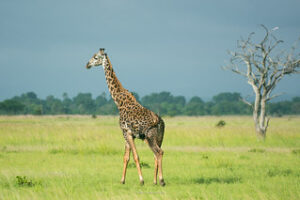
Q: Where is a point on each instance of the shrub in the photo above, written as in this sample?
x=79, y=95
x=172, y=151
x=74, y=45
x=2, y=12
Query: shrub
x=221, y=123
x=23, y=181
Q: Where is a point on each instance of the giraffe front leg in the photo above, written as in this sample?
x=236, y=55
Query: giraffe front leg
x=135, y=157
x=125, y=161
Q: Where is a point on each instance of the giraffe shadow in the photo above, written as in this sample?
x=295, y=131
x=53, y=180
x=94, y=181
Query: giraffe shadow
x=210, y=180
x=142, y=164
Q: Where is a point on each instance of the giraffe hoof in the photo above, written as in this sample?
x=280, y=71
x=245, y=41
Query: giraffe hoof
x=142, y=182
x=122, y=182
x=162, y=182
x=154, y=183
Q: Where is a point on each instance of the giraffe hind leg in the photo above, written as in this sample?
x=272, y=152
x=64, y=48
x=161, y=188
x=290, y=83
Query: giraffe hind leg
x=160, y=132
x=152, y=141
x=155, y=164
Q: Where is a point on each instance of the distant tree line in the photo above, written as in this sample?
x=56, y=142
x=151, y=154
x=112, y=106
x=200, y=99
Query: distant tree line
x=163, y=103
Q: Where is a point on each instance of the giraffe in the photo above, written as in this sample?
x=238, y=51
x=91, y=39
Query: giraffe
x=135, y=121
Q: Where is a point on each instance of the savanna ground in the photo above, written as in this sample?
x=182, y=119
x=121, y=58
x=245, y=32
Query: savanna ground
x=78, y=157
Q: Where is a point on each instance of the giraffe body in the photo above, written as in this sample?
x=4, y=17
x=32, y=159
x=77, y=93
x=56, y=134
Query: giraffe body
x=135, y=120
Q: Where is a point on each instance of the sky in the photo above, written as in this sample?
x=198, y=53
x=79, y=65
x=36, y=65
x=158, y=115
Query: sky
x=154, y=46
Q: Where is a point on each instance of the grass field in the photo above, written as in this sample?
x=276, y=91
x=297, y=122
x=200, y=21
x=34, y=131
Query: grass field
x=78, y=157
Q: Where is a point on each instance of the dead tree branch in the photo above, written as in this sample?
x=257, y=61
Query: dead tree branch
x=263, y=66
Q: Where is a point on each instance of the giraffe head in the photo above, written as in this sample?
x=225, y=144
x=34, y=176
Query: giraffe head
x=97, y=59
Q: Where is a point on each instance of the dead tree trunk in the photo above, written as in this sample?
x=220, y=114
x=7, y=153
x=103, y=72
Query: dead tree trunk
x=264, y=68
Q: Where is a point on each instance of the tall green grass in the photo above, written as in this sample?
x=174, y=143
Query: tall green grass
x=78, y=157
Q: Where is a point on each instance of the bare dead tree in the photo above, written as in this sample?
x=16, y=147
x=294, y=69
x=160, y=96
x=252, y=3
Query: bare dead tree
x=263, y=66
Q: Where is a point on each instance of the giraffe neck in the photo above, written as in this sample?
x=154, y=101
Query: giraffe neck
x=115, y=87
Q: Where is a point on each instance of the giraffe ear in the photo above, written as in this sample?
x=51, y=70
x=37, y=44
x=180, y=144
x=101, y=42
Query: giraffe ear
x=102, y=51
